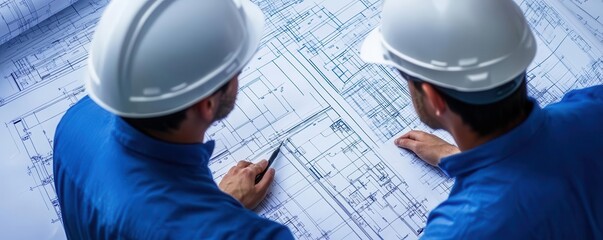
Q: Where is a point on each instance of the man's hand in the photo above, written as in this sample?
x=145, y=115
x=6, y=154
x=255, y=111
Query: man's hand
x=427, y=146
x=239, y=183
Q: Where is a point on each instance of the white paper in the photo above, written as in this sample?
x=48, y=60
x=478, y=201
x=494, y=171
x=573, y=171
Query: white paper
x=339, y=174
x=17, y=16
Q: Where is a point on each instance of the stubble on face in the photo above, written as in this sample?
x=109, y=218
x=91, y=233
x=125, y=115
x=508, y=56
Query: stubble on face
x=418, y=101
x=227, y=101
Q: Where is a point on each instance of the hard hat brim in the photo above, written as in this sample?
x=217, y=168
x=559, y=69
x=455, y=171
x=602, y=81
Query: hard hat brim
x=255, y=25
x=373, y=51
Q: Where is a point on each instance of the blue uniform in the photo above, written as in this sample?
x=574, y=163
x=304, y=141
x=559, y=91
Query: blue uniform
x=114, y=182
x=542, y=180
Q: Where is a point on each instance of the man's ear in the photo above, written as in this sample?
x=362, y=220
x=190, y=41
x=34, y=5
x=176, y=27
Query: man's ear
x=434, y=99
x=206, y=108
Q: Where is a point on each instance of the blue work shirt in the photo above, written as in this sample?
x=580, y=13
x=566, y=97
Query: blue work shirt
x=114, y=182
x=541, y=180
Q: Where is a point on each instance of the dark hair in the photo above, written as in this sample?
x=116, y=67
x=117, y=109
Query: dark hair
x=168, y=122
x=489, y=118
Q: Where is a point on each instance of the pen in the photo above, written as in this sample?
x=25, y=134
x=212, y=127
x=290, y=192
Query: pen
x=259, y=177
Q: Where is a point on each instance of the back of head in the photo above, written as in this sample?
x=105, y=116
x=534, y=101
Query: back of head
x=469, y=48
x=154, y=58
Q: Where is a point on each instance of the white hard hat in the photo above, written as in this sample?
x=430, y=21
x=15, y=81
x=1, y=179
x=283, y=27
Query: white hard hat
x=153, y=58
x=467, y=46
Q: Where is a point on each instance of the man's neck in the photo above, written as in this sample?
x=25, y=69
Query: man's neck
x=189, y=132
x=178, y=137
x=466, y=138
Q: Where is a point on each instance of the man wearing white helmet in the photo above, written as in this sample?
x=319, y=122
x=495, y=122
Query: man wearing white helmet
x=521, y=171
x=130, y=162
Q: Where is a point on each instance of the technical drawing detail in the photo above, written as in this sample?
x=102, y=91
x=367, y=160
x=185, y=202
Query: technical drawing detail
x=338, y=176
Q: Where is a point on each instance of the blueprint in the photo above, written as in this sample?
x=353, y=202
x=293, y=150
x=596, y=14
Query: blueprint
x=339, y=175
x=40, y=78
x=589, y=14
x=17, y=16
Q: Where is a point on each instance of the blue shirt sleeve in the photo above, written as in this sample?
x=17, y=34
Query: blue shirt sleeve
x=451, y=220
x=480, y=210
x=460, y=218
x=594, y=94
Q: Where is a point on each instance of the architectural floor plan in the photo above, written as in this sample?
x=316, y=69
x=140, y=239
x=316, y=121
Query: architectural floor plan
x=17, y=16
x=339, y=175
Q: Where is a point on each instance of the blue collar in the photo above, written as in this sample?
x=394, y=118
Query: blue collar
x=187, y=154
x=496, y=149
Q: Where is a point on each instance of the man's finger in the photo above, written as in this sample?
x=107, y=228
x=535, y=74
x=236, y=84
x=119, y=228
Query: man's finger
x=264, y=184
x=263, y=164
x=243, y=164
x=407, y=143
x=259, y=167
x=412, y=134
x=417, y=135
x=231, y=170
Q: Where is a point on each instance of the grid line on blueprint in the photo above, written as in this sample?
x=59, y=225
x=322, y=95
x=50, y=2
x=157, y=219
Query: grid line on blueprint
x=33, y=132
x=306, y=86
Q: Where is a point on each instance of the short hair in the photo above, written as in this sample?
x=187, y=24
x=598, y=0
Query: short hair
x=487, y=118
x=166, y=123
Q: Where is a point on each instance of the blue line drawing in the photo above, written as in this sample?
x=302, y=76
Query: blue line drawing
x=339, y=175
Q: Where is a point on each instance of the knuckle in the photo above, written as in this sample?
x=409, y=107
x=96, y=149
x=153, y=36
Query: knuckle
x=247, y=171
